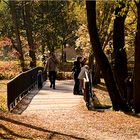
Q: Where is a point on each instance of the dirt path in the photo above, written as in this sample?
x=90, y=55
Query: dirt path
x=60, y=115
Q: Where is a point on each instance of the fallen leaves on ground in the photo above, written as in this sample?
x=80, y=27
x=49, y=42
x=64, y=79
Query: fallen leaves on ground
x=71, y=124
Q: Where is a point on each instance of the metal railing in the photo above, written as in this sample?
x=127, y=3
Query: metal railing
x=89, y=96
x=86, y=89
x=18, y=87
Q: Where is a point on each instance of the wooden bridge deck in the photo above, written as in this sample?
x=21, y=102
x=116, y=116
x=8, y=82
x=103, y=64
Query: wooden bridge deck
x=60, y=99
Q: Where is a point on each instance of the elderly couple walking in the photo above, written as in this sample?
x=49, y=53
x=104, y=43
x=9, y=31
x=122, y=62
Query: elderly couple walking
x=79, y=69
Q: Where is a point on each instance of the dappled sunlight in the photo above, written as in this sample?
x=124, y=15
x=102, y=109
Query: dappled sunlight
x=45, y=46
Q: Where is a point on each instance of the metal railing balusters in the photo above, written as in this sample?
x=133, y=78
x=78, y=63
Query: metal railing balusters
x=18, y=87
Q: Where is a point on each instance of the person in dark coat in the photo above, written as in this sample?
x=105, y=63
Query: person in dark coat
x=76, y=70
x=40, y=79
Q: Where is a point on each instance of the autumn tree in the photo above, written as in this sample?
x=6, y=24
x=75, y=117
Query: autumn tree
x=99, y=55
x=18, y=45
x=137, y=63
x=117, y=101
x=104, y=20
x=120, y=58
x=29, y=32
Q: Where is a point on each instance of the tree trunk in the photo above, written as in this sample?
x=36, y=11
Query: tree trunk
x=91, y=60
x=120, y=64
x=96, y=78
x=92, y=66
x=29, y=34
x=95, y=70
x=62, y=53
x=100, y=56
x=18, y=41
x=42, y=40
x=137, y=65
x=42, y=52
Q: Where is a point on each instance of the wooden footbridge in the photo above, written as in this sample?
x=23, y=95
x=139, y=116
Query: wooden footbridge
x=60, y=98
x=30, y=99
x=48, y=99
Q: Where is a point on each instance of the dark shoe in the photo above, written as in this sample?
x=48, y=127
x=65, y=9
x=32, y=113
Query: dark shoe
x=80, y=92
x=75, y=93
x=51, y=86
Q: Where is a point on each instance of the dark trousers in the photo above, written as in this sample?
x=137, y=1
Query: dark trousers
x=52, y=78
x=76, y=89
x=40, y=85
x=40, y=80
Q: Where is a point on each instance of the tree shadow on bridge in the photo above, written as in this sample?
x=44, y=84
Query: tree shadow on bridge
x=9, y=134
x=52, y=133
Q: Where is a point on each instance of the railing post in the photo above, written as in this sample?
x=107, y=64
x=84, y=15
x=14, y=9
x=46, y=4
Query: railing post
x=86, y=93
x=87, y=90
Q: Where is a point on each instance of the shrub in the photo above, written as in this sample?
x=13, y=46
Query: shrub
x=9, y=69
x=66, y=66
x=64, y=75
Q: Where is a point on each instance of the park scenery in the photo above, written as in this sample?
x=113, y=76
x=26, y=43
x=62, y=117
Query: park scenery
x=105, y=35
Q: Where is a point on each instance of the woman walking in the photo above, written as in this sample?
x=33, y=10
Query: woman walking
x=51, y=67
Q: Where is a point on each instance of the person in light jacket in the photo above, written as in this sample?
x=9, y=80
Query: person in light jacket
x=51, y=67
x=82, y=75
